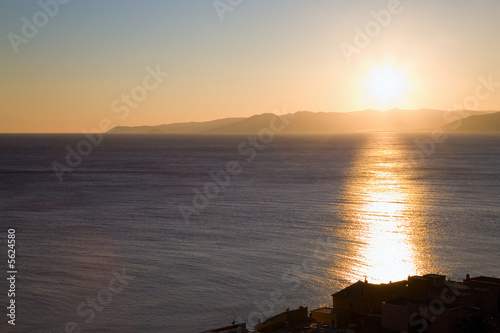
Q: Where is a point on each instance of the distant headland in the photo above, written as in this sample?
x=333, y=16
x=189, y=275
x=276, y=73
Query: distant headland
x=306, y=122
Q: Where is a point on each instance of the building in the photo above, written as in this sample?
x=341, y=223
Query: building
x=486, y=291
x=411, y=315
x=362, y=301
x=289, y=320
x=335, y=318
x=428, y=301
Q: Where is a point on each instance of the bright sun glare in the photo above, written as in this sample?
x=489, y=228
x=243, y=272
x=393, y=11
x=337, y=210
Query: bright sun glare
x=386, y=86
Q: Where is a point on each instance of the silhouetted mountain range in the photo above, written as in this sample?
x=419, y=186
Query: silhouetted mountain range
x=305, y=122
x=476, y=123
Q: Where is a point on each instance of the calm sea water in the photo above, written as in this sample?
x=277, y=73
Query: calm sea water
x=306, y=217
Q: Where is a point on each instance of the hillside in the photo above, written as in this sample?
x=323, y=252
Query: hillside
x=306, y=122
x=476, y=124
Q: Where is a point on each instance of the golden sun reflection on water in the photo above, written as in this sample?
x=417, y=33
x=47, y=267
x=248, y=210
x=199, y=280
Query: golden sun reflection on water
x=383, y=215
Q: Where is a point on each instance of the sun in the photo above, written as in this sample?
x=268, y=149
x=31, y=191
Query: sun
x=386, y=86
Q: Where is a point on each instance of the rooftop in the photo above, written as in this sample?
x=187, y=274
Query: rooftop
x=489, y=280
x=327, y=310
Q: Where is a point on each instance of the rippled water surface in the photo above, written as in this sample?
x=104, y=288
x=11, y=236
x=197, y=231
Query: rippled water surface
x=302, y=219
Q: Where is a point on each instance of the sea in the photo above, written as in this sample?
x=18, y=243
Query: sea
x=178, y=233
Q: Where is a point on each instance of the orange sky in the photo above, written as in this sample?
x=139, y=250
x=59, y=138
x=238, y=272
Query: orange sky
x=79, y=66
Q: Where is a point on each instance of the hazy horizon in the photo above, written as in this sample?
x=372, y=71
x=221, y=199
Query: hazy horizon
x=466, y=114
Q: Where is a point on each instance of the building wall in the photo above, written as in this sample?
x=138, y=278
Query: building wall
x=493, y=302
x=395, y=317
x=338, y=319
x=447, y=322
x=370, y=297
